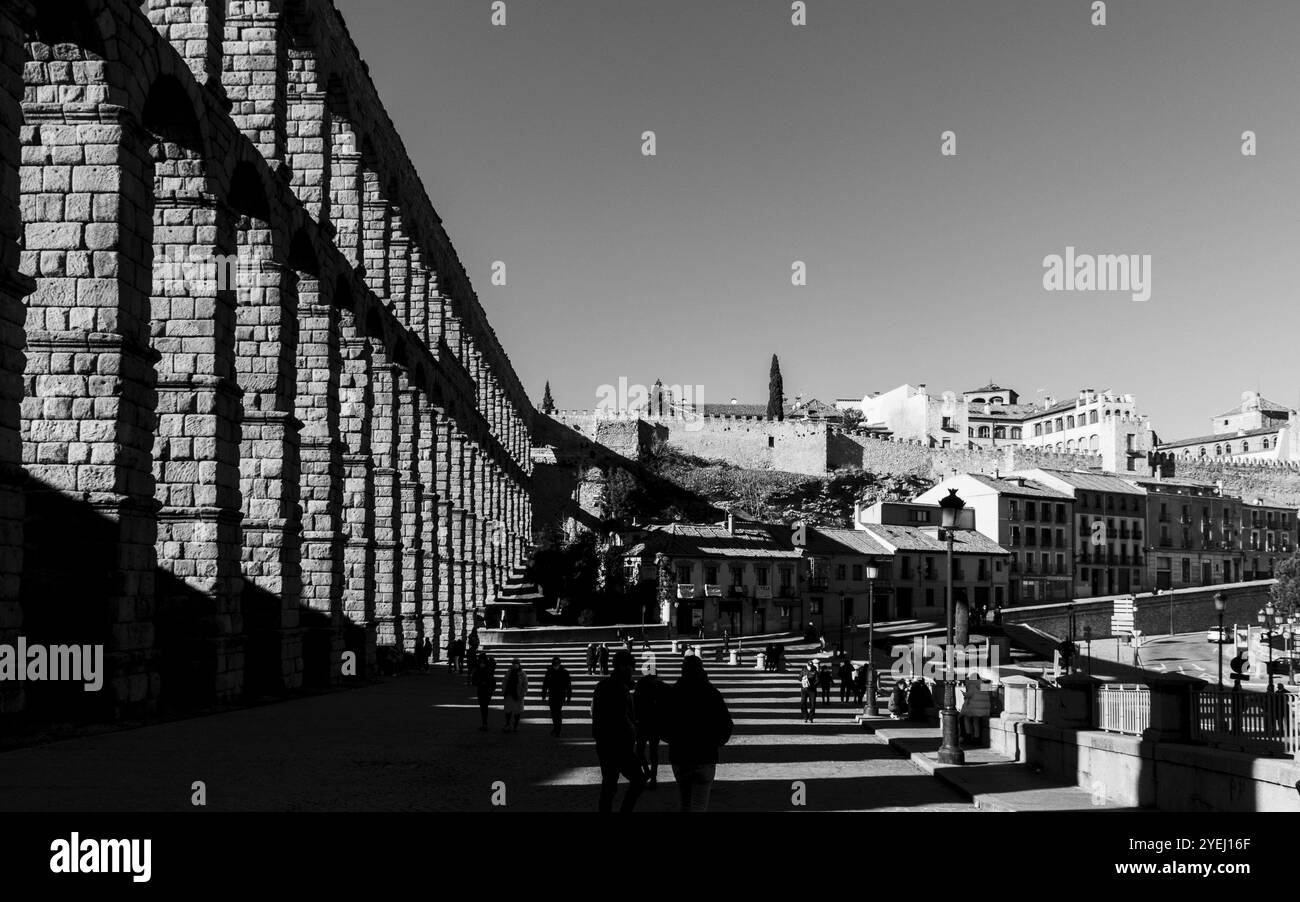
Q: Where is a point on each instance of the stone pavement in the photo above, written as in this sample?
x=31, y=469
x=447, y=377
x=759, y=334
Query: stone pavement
x=412, y=743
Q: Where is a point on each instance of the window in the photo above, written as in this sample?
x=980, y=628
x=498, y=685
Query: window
x=1013, y=509
x=1060, y=513
x=771, y=441
x=1060, y=538
x=1069, y=422
x=737, y=574
x=1060, y=563
x=1031, y=537
x=1092, y=417
x=1015, y=536
x=1031, y=511
x=761, y=574
x=1187, y=571
x=841, y=572
x=787, y=577
x=999, y=431
x=916, y=516
x=984, y=432
x=1245, y=447
x=684, y=573
x=906, y=567
x=711, y=575
x=1015, y=432
x=947, y=422
x=857, y=573
x=929, y=568
x=1038, y=429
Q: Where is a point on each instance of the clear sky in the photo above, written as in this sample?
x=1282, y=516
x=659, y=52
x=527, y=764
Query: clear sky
x=822, y=144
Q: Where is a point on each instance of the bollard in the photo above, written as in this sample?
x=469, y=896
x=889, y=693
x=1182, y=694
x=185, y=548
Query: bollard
x=735, y=659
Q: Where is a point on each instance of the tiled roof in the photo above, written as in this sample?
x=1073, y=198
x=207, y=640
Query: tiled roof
x=914, y=538
x=1008, y=486
x=1264, y=404
x=763, y=540
x=988, y=388
x=828, y=540
x=1219, y=437
x=1093, y=482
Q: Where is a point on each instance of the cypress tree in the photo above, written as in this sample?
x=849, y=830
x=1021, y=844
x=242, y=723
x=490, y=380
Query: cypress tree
x=775, y=391
x=548, y=404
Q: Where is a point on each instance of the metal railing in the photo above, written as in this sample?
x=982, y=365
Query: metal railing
x=1262, y=721
x=1124, y=709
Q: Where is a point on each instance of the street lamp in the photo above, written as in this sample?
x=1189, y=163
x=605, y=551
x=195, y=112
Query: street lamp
x=1287, y=631
x=872, y=571
x=950, y=750
x=844, y=604
x=1069, y=611
x=1220, y=605
x=1268, y=620
x=1087, y=641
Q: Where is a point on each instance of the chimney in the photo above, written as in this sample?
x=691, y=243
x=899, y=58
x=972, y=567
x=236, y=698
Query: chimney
x=734, y=401
x=731, y=523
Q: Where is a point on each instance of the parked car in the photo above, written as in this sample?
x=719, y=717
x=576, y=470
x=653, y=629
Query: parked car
x=1222, y=637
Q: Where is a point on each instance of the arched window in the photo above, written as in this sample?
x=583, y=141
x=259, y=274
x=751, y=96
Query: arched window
x=1015, y=432
x=1203, y=452
x=1069, y=446
x=999, y=431
x=970, y=432
x=1060, y=446
x=1265, y=444
x=1095, y=443
x=1038, y=429
x=984, y=432
x=1069, y=422
x=996, y=399
x=1218, y=450
x=1060, y=424
x=1245, y=447
x=977, y=400
x=1092, y=417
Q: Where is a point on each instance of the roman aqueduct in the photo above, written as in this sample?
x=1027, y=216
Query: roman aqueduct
x=229, y=476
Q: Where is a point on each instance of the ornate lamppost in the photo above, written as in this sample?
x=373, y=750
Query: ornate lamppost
x=1268, y=619
x=1220, y=605
x=872, y=571
x=950, y=751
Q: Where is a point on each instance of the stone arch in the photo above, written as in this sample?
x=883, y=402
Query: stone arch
x=195, y=28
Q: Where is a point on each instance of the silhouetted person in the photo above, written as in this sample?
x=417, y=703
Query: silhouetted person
x=591, y=657
x=698, y=725
x=919, y=700
x=649, y=703
x=726, y=641
x=846, y=682
x=484, y=678
x=613, y=726
x=604, y=658
x=514, y=689
x=898, y=700
x=557, y=689
x=426, y=652
x=808, y=691
x=860, y=680
x=824, y=681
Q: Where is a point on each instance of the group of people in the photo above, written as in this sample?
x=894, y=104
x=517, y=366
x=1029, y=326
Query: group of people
x=629, y=722
x=774, y=657
x=597, y=655
x=912, y=699
x=461, y=652
x=816, y=679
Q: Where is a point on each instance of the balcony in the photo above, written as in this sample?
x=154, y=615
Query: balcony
x=712, y=590
x=788, y=592
x=762, y=592
x=818, y=584
x=737, y=591
x=685, y=590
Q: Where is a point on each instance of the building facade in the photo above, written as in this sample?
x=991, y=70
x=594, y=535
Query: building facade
x=1255, y=430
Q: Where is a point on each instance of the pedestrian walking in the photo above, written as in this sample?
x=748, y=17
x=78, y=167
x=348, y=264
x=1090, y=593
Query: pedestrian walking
x=591, y=658
x=425, y=653
x=461, y=652
x=649, y=703
x=824, y=683
x=557, y=689
x=451, y=655
x=613, y=726
x=974, y=707
x=846, y=682
x=698, y=725
x=860, y=686
x=484, y=678
x=604, y=658
x=514, y=689
x=808, y=691
x=726, y=641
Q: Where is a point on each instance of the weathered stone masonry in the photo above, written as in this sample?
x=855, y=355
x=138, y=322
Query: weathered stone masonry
x=252, y=414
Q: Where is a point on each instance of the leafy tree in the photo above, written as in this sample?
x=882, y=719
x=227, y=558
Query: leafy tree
x=852, y=418
x=775, y=391
x=1286, y=593
x=548, y=403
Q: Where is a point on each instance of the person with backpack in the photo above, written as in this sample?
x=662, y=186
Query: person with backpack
x=808, y=691
x=514, y=689
x=698, y=725
x=557, y=688
x=484, y=678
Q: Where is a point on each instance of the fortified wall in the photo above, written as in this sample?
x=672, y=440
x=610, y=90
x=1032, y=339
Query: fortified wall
x=252, y=414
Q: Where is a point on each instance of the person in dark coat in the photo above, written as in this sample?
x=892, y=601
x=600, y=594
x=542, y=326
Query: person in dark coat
x=919, y=700
x=698, y=725
x=613, y=726
x=860, y=679
x=591, y=658
x=484, y=678
x=808, y=691
x=557, y=689
x=649, y=705
x=824, y=683
x=846, y=681
x=425, y=653
x=604, y=658
x=898, y=700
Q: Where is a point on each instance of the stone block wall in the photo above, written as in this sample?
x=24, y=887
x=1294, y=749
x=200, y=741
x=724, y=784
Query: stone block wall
x=252, y=414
